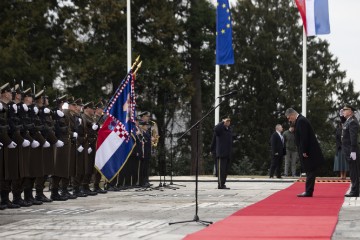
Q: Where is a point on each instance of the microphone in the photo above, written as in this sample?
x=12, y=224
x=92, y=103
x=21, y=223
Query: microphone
x=228, y=94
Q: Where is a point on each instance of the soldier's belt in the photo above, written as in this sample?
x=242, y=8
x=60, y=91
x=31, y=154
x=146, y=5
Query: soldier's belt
x=39, y=128
x=18, y=127
x=4, y=127
x=29, y=126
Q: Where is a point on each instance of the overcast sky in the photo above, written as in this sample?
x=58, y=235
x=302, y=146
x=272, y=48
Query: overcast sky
x=345, y=36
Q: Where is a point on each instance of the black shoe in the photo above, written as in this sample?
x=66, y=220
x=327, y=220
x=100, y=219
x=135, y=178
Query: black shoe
x=351, y=194
x=3, y=206
x=88, y=192
x=305, y=194
x=113, y=189
x=58, y=197
x=99, y=190
x=146, y=185
x=33, y=201
x=10, y=204
x=21, y=202
x=65, y=193
x=79, y=193
x=223, y=187
x=279, y=177
x=41, y=197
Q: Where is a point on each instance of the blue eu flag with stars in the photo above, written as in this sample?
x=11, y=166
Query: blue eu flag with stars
x=224, y=49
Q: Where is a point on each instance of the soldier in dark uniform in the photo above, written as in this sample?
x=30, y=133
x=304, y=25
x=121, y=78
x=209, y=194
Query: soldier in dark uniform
x=11, y=148
x=62, y=154
x=99, y=119
x=79, y=144
x=32, y=160
x=350, y=148
x=91, y=129
x=138, y=153
x=144, y=125
x=6, y=142
x=48, y=132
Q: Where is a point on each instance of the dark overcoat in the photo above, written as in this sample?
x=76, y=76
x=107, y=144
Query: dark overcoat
x=277, y=146
x=306, y=142
x=224, y=140
x=350, y=137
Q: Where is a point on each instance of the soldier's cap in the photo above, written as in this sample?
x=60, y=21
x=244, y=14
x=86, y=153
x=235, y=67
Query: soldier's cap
x=71, y=101
x=61, y=99
x=348, y=106
x=144, y=113
x=226, y=118
x=79, y=102
x=89, y=105
x=27, y=93
x=99, y=105
x=5, y=88
x=40, y=94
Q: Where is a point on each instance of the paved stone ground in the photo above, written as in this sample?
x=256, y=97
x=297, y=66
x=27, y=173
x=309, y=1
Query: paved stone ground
x=146, y=213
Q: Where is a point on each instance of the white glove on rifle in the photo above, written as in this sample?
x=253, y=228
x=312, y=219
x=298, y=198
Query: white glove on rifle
x=25, y=107
x=95, y=127
x=59, y=143
x=89, y=150
x=46, y=110
x=75, y=135
x=12, y=145
x=36, y=110
x=14, y=106
x=26, y=143
x=353, y=155
x=59, y=113
x=35, y=144
x=80, y=121
x=80, y=148
x=1, y=144
x=1, y=106
x=46, y=144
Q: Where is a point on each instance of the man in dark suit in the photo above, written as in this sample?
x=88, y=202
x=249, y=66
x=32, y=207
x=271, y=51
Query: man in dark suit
x=350, y=149
x=277, y=151
x=224, y=139
x=309, y=150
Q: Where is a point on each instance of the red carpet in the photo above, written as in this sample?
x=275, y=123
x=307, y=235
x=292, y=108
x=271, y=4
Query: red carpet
x=283, y=216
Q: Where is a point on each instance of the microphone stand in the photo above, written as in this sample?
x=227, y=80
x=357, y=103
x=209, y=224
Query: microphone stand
x=171, y=160
x=196, y=125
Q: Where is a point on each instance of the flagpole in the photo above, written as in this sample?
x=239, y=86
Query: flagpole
x=128, y=35
x=217, y=93
x=304, y=79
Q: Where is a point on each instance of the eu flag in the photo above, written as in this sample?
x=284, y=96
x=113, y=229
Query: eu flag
x=224, y=50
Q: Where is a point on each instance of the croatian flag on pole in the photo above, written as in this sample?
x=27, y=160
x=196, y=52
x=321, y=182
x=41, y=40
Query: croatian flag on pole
x=115, y=139
x=315, y=16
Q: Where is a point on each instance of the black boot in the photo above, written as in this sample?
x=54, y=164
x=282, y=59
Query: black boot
x=86, y=190
x=99, y=190
x=64, y=192
x=3, y=204
x=19, y=201
x=28, y=197
x=6, y=201
x=55, y=196
x=41, y=197
x=79, y=193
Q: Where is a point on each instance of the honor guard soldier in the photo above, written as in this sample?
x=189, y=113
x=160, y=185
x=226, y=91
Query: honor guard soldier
x=62, y=155
x=99, y=119
x=7, y=144
x=144, y=124
x=48, y=132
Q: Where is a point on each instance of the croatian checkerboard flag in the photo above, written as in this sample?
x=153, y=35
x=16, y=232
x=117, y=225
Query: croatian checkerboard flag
x=315, y=16
x=115, y=139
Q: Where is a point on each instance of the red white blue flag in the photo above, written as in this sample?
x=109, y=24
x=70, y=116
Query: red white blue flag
x=315, y=16
x=115, y=139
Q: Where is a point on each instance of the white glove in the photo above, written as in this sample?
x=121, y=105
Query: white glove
x=12, y=145
x=35, y=144
x=95, y=127
x=1, y=106
x=89, y=150
x=14, y=106
x=25, y=107
x=75, y=135
x=46, y=110
x=59, y=143
x=80, y=148
x=36, y=110
x=46, y=144
x=65, y=106
x=59, y=113
x=353, y=155
x=1, y=144
x=341, y=113
x=26, y=143
x=80, y=121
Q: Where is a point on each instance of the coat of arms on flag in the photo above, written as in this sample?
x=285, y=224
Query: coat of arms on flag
x=115, y=139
